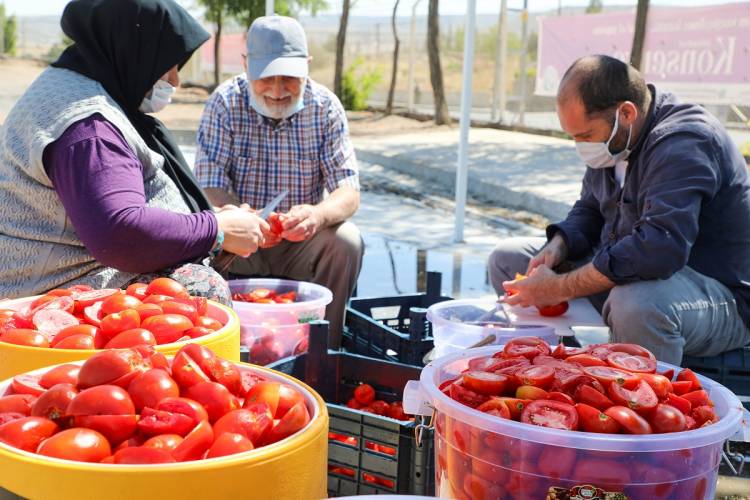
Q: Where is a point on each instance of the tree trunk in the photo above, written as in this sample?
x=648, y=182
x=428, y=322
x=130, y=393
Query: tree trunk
x=636, y=53
x=394, y=71
x=442, y=116
x=340, y=40
x=217, y=50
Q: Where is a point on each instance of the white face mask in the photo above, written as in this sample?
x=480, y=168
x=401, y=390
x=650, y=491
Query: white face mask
x=158, y=98
x=258, y=103
x=597, y=155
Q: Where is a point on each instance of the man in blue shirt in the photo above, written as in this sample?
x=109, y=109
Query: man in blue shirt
x=660, y=237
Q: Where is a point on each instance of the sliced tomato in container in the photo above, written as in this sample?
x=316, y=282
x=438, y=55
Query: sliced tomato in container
x=631, y=362
x=552, y=414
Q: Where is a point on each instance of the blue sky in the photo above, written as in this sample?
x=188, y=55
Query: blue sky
x=380, y=7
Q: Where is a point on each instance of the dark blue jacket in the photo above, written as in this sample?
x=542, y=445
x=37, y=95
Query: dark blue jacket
x=685, y=202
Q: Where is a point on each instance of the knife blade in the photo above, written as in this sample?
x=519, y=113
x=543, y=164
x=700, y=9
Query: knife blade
x=224, y=260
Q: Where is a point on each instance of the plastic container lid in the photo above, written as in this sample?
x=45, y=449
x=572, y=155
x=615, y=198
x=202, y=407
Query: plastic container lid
x=727, y=406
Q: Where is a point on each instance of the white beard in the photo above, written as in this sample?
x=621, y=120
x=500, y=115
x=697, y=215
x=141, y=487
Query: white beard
x=277, y=112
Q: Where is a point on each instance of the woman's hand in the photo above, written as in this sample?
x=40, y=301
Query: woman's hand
x=243, y=231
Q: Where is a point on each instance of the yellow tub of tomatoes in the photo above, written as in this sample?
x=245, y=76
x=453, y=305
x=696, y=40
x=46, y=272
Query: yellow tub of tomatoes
x=74, y=323
x=131, y=423
x=603, y=421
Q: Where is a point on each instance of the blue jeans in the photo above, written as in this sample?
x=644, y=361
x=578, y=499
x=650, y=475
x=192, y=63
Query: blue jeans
x=688, y=313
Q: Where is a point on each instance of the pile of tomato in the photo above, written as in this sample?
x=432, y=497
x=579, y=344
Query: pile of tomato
x=265, y=296
x=79, y=317
x=606, y=388
x=133, y=406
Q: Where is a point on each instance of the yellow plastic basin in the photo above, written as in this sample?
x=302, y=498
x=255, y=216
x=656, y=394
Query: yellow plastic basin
x=15, y=359
x=293, y=468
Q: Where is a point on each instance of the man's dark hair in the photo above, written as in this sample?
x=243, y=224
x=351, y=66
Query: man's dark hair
x=602, y=81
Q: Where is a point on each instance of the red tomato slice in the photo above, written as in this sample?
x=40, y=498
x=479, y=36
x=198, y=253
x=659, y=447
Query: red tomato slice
x=164, y=442
x=131, y=338
x=183, y=308
x=76, y=342
x=552, y=414
x=607, y=375
x=679, y=402
x=116, y=428
x=102, y=400
x=536, y=375
x=93, y=314
x=687, y=375
x=253, y=422
x=142, y=455
x=229, y=443
x=629, y=420
x=137, y=290
x=26, y=384
x=495, y=406
x=208, y=322
x=114, y=323
x=51, y=321
x=86, y=299
x=585, y=360
x=698, y=398
x=633, y=349
x=195, y=444
x=528, y=347
x=167, y=328
x=530, y=393
x=154, y=422
x=27, y=433
x=489, y=384
x=659, y=383
x=294, y=420
x=82, y=329
x=81, y=445
x=593, y=420
x=25, y=337
x=148, y=310
x=184, y=406
x=641, y=399
x=631, y=362
x=682, y=387
x=591, y=397
x=17, y=403
x=54, y=402
x=466, y=396
x=111, y=366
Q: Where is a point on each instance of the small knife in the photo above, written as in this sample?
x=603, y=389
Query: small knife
x=224, y=260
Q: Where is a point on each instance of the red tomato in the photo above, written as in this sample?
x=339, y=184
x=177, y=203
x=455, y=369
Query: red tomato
x=86, y=299
x=364, y=394
x=208, y=322
x=585, y=360
x=379, y=407
x=167, y=328
x=667, y=419
x=51, y=321
x=183, y=308
x=555, y=310
x=184, y=406
x=698, y=398
x=631, y=362
x=593, y=420
x=679, y=402
x=354, y=404
x=609, y=475
x=111, y=367
x=214, y=397
x=102, y=400
x=116, y=428
x=198, y=331
x=641, y=399
x=682, y=387
x=252, y=422
x=82, y=445
x=276, y=223
x=24, y=336
x=9, y=416
x=265, y=392
x=195, y=444
x=168, y=287
x=54, y=402
x=150, y=387
x=590, y=396
x=552, y=414
x=26, y=384
x=515, y=406
x=607, y=375
x=76, y=342
x=93, y=314
x=288, y=397
x=489, y=384
x=536, y=375
x=154, y=422
x=115, y=323
x=687, y=375
x=143, y=455
x=466, y=396
x=224, y=372
x=119, y=302
x=147, y=310
x=556, y=462
x=396, y=410
x=82, y=329
x=156, y=299
x=659, y=383
x=163, y=442
x=131, y=338
x=137, y=290
x=26, y=433
x=17, y=403
x=560, y=396
x=530, y=393
x=495, y=406
x=704, y=415
x=528, y=347
x=633, y=349
x=229, y=443
x=294, y=420
x=629, y=420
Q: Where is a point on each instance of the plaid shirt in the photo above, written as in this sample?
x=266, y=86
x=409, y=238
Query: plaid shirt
x=255, y=157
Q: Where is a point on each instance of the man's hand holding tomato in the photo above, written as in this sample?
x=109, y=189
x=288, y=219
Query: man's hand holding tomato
x=542, y=287
x=301, y=223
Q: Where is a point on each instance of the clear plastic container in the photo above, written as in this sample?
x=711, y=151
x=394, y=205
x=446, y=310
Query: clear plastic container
x=481, y=456
x=275, y=331
x=456, y=325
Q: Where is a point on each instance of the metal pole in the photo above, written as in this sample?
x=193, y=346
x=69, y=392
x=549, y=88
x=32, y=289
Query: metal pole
x=524, y=49
x=269, y=7
x=501, y=56
x=412, y=42
x=463, y=144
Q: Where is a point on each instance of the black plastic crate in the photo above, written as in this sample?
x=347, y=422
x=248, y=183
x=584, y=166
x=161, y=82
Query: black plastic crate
x=731, y=369
x=393, y=328
x=334, y=375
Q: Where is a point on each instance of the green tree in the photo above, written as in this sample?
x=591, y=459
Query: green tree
x=10, y=34
x=595, y=6
x=246, y=11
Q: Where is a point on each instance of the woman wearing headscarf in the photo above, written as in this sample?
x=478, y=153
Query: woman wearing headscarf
x=94, y=190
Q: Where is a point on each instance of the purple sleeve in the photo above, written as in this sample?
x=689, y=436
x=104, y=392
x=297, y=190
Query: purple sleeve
x=100, y=183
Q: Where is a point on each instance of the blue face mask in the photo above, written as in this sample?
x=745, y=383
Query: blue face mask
x=261, y=108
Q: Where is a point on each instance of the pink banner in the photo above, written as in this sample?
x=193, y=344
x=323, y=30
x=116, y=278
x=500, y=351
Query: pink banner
x=700, y=53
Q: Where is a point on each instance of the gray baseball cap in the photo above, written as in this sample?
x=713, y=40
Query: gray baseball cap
x=276, y=46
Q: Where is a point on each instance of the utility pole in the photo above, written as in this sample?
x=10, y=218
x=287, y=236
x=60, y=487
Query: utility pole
x=412, y=43
x=269, y=7
x=501, y=59
x=639, y=36
x=524, y=50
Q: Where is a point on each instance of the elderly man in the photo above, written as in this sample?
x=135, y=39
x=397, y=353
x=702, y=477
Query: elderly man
x=272, y=129
x=660, y=233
